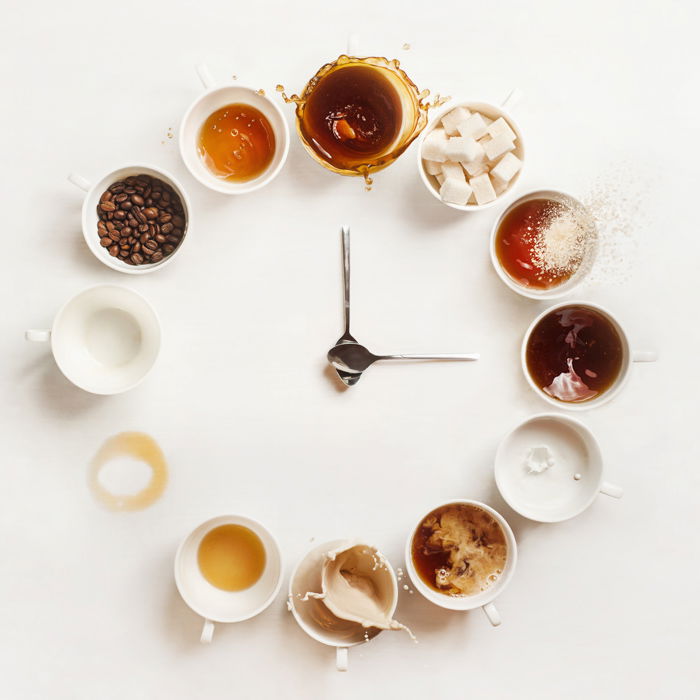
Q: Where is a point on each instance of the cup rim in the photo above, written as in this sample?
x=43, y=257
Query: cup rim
x=59, y=314
x=219, y=185
x=434, y=122
x=607, y=395
x=565, y=288
x=92, y=239
x=591, y=439
x=466, y=602
x=232, y=519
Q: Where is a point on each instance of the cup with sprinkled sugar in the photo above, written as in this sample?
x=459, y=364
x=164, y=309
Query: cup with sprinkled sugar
x=544, y=244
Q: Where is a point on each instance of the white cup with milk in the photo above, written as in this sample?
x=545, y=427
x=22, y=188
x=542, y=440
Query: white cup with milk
x=105, y=339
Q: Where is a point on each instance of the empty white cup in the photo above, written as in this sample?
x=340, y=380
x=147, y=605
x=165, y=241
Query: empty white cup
x=216, y=97
x=484, y=599
x=90, y=218
x=215, y=604
x=105, y=339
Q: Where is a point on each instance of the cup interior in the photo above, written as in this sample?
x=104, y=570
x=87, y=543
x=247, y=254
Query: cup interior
x=227, y=606
x=90, y=217
x=611, y=391
x=312, y=615
x=492, y=112
x=563, y=490
x=587, y=261
x=106, y=339
x=464, y=602
x=208, y=103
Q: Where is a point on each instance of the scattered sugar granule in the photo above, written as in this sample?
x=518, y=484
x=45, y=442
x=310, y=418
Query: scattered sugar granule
x=560, y=245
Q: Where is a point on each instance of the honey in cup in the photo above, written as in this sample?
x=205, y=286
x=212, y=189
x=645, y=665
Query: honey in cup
x=574, y=354
x=231, y=557
x=459, y=550
x=236, y=143
x=358, y=115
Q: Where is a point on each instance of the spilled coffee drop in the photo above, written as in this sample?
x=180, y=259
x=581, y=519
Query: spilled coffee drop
x=116, y=467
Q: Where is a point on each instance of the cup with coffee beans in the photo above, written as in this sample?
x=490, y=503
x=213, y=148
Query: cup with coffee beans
x=135, y=218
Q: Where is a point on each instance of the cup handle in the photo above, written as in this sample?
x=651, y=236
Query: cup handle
x=341, y=658
x=37, y=336
x=79, y=181
x=611, y=490
x=205, y=76
x=515, y=95
x=492, y=614
x=353, y=44
x=648, y=356
x=207, y=632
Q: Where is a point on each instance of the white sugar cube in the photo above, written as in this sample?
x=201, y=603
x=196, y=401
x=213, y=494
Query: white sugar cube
x=463, y=148
x=506, y=168
x=434, y=146
x=440, y=178
x=499, y=187
x=455, y=191
x=432, y=167
x=452, y=170
x=483, y=189
x=500, y=126
x=475, y=126
x=453, y=118
x=498, y=145
x=476, y=167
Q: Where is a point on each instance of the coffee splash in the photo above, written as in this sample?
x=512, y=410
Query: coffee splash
x=136, y=446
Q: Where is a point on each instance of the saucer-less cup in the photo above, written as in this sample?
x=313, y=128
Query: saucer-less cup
x=315, y=618
x=484, y=599
x=587, y=260
x=492, y=112
x=215, y=97
x=214, y=604
x=565, y=488
x=628, y=357
x=90, y=218
x=105, y=339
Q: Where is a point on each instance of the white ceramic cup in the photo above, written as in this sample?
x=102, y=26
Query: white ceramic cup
x=483, y=600
x=492, y=112
x=215, y=604
x=90, y=218
x=628, y=357
x=566, y=287
x=105, y=339
x=215, y=97
x=313, y=616
x=566, y=488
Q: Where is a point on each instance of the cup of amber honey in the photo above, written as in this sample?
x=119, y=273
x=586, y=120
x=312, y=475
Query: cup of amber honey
x=233, y=139
x=358, y=115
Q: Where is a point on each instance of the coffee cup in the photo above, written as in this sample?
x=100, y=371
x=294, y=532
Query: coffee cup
x=222, y=606
x=90, y=218
x=105, y=339
x=628, y=357
x=484, y=598
x=215, y=97
x=315, y=618
x=562, y=482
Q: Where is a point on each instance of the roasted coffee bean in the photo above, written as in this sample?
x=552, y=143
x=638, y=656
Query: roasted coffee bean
x=113, y=250
x=123, y=253
x=136, y=258
x=102, y=227
x=166, y=228
x=106, y=242
x=136, y=248
x=116, y=188
x=126, y=205
x=121, y=198
x=143, y=228
x=160, y=238
x=178, y=221
x=144, y=238
x=137, y=200
x=106, y=196
x=157, y=256
x=151, y=245
x=164, y=217
x=126, y=231
x=172, y=239
x=167, y=248
x=120, y=214
x=115, y=235
x=140, y=216
x=107, y=206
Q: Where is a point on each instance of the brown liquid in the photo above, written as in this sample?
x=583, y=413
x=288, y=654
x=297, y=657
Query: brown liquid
x=237, y=143
x=459, y=550
x=138, y=446
x=574, y=354
x=516, y=237
x=352, y=115
x=231, y=557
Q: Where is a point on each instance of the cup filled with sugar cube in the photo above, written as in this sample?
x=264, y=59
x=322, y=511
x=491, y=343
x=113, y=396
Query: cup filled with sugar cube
x=471, y=154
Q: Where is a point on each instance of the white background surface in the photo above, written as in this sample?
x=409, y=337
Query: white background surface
x=602, y=606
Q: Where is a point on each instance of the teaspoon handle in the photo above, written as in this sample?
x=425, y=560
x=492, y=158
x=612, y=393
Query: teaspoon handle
x=441, y=356
x=346, y=277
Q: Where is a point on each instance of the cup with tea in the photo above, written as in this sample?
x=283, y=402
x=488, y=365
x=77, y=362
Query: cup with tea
x=105, y=339
x=228, y=569
x=233, y=138
x=461, y=555
x=576, y=355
